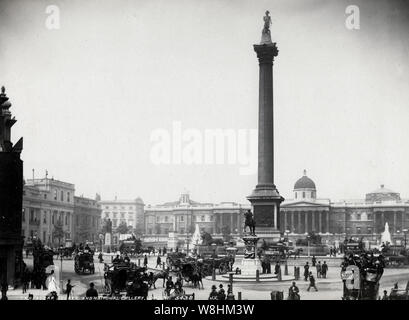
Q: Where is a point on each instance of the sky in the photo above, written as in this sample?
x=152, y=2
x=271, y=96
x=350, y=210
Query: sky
x=89, y=95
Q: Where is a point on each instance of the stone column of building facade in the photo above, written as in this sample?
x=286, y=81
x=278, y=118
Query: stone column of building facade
x=11, y=198
x=265, y=198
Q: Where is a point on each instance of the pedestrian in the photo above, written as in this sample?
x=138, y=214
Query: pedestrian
x=319, y=269
x=160, y=251
x=213, y=294
x=312, y=283
x=221, y=295
x=100, y=257
x=314, y=260
x=324, y=270
x=68, y=288
x=230, y=295
x=293, y=292
x=306, y=271
x=385, y=295
x=158, y=262
x=91, y=293
x=277, y=268
x=145, y=261
x=169, y=285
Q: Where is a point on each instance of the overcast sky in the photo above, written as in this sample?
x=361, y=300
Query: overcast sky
x=88, y=95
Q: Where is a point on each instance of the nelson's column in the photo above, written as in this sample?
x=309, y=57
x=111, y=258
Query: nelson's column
x=265, y=199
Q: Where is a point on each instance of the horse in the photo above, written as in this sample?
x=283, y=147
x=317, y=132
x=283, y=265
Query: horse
x=158, y=275
x=295, y=253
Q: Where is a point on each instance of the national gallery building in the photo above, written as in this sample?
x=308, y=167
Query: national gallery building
x=298, y=216
x=336, y=220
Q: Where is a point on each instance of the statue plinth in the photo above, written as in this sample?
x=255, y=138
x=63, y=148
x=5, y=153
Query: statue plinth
x=250, y=264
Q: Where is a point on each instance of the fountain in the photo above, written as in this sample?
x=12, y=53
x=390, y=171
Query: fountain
x=196, y=237
x=386, y=235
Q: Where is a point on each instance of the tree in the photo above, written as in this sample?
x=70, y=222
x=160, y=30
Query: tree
x=139, y=231
x=122, y=228
x=58, y=232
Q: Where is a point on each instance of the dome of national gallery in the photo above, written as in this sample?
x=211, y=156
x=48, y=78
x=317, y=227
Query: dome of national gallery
x=304, y=188
x=304, y=182
x=382, y=194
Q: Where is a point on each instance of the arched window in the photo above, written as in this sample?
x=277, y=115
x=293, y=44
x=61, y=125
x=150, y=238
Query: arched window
x=303, y=194
x=296, y=195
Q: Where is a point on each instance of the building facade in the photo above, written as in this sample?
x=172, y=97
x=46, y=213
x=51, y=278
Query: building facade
x=87, y=216
x=48, y=207
x=348, y=218
x=130, y=212
x=182, y=216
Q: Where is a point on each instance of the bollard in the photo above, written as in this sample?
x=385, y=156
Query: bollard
x=286, y=270
x=139, y=262
x=214, y=275
x=257, y=275
x=231, y=278
x=239, y=295
x=279, y=278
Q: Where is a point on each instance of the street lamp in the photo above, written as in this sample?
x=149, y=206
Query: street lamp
x=405, y=231
x=61, y=280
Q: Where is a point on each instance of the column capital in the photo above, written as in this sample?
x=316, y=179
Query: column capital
x=266, y=52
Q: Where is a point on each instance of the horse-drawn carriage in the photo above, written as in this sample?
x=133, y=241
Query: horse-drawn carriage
x=360, y=276
x=174, y=260
x=397, y=294
x=43, y=257
x=84, y=261
x=66, y=252
x=124, y=276
x=191, y=272
x=395, y=256
x=222, y=264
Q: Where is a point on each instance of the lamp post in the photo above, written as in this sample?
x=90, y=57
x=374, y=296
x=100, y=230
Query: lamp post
x=405, y=231
x=61, y=280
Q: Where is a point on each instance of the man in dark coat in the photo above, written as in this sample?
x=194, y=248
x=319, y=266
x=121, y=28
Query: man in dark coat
x=306, y=271
x=324, y=270
x=319, y=269
x=293, y=292
x=158, y=262
x=213, y=293
x=314, y=261
x=312, y=283
x=145, y=261
x=91, y=293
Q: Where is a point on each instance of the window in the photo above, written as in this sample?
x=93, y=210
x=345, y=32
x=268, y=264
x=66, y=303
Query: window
x=358, y=230
x=114, y=223
x=55, y=194
x=45, y=196
x=130, y=208
x=122, y=215
x=182, y=218
x=45, y=217
x=157, y=219
x=369, y=230
x=62, y=195
x=358, y=216
x=296, y=195
x=303, y=194
x=182, y=230
x=211, y=218
x=68, y=197
x=370, y=216
x=115, y=215
x=106, y=207
x=31, y=215
x=166, y=218
x=203, y=218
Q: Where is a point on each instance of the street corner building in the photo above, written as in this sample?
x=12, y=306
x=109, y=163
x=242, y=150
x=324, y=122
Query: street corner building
x=11, y=199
